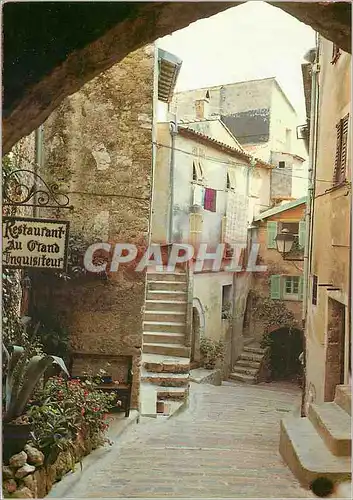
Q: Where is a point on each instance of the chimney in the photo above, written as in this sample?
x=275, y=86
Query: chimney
x=201, y=108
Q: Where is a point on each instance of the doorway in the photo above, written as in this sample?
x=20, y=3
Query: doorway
x=286, y=345
x=335, y=347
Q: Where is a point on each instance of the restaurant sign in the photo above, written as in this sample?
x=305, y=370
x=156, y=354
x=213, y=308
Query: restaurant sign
x=34, y=243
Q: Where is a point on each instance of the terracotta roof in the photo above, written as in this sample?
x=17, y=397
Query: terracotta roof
x=280, y=208
x=187, y=131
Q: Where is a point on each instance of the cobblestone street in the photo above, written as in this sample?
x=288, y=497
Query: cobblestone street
x=224, y=445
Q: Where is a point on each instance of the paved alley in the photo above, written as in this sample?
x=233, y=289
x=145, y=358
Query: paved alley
x=224, y=445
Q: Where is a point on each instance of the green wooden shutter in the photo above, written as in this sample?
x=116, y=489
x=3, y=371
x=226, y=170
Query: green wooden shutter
x=301, y=288
x=271, y=234
x=302, y=233
x=275, y=286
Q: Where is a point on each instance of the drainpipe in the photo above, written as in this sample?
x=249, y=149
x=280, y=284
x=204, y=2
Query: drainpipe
x=173, y=132
x=309, y=214
x=38, y=163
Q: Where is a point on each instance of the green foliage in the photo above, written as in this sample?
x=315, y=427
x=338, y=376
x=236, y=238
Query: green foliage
x=212, y=351
x=272, y=313
x=65, y=410
x=23, y=372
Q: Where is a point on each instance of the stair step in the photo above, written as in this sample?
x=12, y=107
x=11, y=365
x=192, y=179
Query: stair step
x=173, y=393
x=306, y=454
x=249, y=356
x=166, y=349
x=163, y=337
x=250, y=364
x=254, y=350
x=334, y=426
x=166, y=305
x=242, y=377
x=343, y=398
x=167, y=285
x=165, y=276
x=164, y=326
x=238, y=369
x=157, y=364
x=174, y=316
x=166, y=295
x=164, y=379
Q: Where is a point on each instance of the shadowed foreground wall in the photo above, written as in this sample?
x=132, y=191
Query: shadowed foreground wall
x=97, y=144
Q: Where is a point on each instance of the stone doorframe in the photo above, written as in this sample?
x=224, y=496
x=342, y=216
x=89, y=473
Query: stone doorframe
x=337, y=340
x=198, y=329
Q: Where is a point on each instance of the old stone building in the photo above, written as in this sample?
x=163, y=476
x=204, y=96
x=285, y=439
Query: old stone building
x=325, y=428
x=197, y=159
x=261, y=117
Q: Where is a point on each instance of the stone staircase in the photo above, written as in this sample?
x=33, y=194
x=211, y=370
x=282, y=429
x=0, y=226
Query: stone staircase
x=319, y=445
x=165, y=358
x=247, y=367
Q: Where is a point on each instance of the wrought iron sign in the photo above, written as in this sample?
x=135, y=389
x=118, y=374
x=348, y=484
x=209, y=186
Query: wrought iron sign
x=19, y=190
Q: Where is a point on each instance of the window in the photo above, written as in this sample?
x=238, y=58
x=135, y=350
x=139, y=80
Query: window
x=336, y=52
x=291, y=285
x=339, y=174
x=281, y=164
x=226, y=301
x=293, y=227
x=286, y=287
x=231, y=179
x=314, y=290
x=197, y=172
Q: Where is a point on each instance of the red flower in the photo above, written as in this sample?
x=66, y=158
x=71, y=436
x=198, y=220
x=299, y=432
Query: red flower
x=82, y=411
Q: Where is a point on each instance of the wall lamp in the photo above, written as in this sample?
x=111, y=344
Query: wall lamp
x=284, y=243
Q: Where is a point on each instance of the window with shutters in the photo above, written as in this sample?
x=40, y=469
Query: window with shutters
x=286, y=287
x=197, y=171
x=291, y=287
x=339, y=175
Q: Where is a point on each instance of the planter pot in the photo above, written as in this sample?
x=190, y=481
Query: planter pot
x=15, y=437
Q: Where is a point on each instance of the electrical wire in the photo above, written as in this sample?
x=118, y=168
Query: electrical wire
x=208, y=158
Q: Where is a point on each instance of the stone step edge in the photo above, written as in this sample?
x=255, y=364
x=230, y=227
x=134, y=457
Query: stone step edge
x=156, y=301
x=179, y=313
x=305, y=471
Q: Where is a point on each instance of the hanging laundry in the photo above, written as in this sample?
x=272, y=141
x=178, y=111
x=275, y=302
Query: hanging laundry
x=210, y=199
x=199, y=195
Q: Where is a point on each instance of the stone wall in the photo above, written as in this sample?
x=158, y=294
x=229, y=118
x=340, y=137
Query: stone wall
x=97, y=145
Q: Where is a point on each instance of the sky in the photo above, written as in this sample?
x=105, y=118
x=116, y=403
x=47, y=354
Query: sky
x=247, y=42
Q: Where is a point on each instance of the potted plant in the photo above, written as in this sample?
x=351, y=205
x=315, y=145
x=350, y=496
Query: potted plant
x=22, y=376
x=212, y=351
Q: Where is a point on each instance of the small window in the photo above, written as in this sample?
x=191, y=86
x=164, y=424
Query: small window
x=339, y=174
x=197, y=172
x=281, y=164
x=231, y=179
x=194, y=172
x=293, y=227
x=336, y=52
x=292, y=288
x=207, y=95
x=314, y=291
x=226, y=301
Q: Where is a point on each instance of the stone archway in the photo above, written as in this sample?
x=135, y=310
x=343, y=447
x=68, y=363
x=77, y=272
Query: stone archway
x=285, y=347
x=198, y=326
x=42, y=67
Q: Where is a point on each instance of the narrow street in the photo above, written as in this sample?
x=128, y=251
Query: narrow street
x=224, y=445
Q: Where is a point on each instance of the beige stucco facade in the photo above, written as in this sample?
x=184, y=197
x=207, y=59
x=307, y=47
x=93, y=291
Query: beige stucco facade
x=327, y=329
